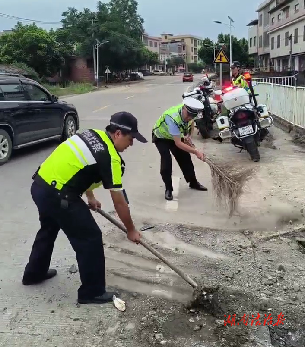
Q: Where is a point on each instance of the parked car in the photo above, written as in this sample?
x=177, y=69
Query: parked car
x=146, y=72
x=30, y=114
x=188, y=77
x=159, y=72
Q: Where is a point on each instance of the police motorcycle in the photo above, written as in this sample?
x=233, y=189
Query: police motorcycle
x=246, y=123
x=205, y=119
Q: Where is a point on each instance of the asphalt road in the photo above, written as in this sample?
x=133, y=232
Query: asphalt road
x=45, y=315
x=147, y=101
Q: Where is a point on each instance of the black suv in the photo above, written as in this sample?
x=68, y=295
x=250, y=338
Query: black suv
x=29, y=114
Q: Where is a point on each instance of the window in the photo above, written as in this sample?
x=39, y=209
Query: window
x=150, y=44
x=278, y=41
x=35, y=93
x=266, y=39
x=251, y=42
x=254, y=40
x=296, y=8
x=260, y=19
x=287, y=12
x=279, y=17
x=192, y=49
x=286, y=38
x=296, y=35
x=272, y=42
x=304, y=32
x=12, y=92
x=156, y=44
x=260, y=42
x=273, y=19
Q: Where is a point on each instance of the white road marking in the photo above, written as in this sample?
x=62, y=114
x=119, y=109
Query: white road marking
x=100, y=109
x=129, y=97
x=173, y=205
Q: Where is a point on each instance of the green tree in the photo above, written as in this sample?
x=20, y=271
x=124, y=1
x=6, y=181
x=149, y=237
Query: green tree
x=148, y=57
x=239, y=48
x=117, y=22
x=196, y=67
x=206, y=51
x=33, y=46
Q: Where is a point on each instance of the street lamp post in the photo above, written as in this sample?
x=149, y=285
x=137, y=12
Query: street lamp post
x=230, y=25
x=97, y=46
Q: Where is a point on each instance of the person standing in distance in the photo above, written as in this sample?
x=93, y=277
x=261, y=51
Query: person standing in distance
x=82, y=163
x=170, y=135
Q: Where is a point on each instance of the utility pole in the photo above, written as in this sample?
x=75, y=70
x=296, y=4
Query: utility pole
x=93, y=51
x=97, y=46
x=231, y=54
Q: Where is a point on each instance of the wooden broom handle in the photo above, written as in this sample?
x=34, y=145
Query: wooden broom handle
x=151, y=249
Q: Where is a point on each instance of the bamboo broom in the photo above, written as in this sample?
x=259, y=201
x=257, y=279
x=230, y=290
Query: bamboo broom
x=227, y=181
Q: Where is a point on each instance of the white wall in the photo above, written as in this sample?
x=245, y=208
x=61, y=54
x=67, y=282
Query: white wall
x=297, y=48
x=252, y=33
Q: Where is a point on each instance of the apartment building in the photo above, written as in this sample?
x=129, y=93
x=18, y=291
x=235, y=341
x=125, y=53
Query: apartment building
x=263, y=49
x=190, y=45
x=287, y=34
x=253, y=41
x=153, y=44
x=280, y=35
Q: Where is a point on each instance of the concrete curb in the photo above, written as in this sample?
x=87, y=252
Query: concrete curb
x=297, y=133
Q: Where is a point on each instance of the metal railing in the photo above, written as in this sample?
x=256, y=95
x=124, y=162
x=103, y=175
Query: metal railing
x=285, y=101
x=283, y=80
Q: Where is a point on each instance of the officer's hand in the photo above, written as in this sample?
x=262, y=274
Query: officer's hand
x=94, y=204
x=134, y=236
x=200, y=156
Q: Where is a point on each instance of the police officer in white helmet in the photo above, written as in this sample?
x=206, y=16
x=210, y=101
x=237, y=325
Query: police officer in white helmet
x=170, y=134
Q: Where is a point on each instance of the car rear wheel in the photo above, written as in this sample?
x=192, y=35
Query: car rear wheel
x=6, y=147
x=69, y=128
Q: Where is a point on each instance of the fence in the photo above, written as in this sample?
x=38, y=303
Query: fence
x=284, y=101
x=282, y=80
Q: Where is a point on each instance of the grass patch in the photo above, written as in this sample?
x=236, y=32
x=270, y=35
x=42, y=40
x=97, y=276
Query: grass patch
x=72, y=88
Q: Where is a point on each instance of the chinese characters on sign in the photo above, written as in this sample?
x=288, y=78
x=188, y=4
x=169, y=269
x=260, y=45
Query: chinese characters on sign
x=93, y=141
x=255, y=320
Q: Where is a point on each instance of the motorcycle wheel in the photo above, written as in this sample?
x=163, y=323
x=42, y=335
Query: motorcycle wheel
x=203, y=128
x=252, y=149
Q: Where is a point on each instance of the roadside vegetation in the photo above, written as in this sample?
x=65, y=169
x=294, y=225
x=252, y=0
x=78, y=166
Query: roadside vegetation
x=70, y=89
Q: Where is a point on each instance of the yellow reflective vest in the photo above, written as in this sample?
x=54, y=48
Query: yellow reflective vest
x=83, y=162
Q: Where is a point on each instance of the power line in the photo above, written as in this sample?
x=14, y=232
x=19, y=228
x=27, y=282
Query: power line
x=3, y=15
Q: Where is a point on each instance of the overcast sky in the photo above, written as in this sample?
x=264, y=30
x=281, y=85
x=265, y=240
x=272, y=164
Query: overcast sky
x=172, y=16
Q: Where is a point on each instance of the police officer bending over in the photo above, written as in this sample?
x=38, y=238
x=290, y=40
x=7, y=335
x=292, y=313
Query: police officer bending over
x=80, y=164
x=170, y=135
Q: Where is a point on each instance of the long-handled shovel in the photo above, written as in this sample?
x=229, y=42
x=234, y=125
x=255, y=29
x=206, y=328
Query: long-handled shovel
x=151, y=249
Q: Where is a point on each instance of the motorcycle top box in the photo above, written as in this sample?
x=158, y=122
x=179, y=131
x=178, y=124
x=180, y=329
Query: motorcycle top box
x=235, y=98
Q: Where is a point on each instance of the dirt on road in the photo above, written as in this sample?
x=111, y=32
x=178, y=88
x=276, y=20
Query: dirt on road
x=258, y=264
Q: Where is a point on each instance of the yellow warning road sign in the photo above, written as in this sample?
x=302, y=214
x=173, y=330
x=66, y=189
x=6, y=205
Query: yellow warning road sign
x=221, y=58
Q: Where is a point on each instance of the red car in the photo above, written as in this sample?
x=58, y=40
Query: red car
x=188, y=77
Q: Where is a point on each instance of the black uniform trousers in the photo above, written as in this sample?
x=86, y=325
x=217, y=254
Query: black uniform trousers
x=184, y=160
x=84, y=235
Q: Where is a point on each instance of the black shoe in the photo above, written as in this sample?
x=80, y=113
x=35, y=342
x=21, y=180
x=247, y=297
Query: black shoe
x=168, y=195
x=31, y=280
x=198, y=186
x=101, y=299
